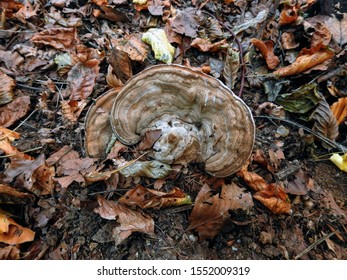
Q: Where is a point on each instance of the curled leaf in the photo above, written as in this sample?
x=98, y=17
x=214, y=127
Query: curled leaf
x=148, y=198
x=289, y=14
x=205, y=45
x=161, y=46
x=267, y=50
x=339, y=109
x=13, y=111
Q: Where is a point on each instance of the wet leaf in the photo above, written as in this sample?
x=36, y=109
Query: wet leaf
x=325, y=122
x=6, y=88
x=231, y=67
x=149, y=198
x=59, y=38
x=275, y=199
x=301, y=100
x=267, y=50
x=339, y=109
x=12, y=233
x=13, y=111
x=340, y=161
x=211, y=210
x=129, y=220
x=151, y=169
x=163, y=51
x=304, y=62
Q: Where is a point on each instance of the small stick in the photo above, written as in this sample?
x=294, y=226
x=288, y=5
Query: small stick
x=319, y=241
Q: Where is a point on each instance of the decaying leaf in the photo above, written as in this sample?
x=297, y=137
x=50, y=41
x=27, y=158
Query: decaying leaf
x=271, y=109
x=338, y=28
x=149, y=198
x=9, y=253
x=275, y=199
x=321, y=36
x=253, y=180
x=60, y=38
x=133, y=46
x=111, y=14
x=149, y=139
x=325, y=122
x=339, y=109
x=13, y=111
x=129, y=220
x=267, y=50
x=11, y=195
x=205, y=45
x=161, y=46
x=211, y=210
x=27, y=11
x=289, y=14
x=288, y=41
x=261, y=16
x=186, y=22
x=150, y=169
x=340, y=161
x=6, y=88
x=304, y=62
x=12, y=233
x=301, y=100
x=231, y=67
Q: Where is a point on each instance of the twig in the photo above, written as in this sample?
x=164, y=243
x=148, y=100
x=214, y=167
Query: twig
x=309, y=248
x=341, y=147
x=26, y=151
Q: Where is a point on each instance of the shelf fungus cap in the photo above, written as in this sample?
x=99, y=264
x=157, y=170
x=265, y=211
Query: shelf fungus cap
x=200, y=119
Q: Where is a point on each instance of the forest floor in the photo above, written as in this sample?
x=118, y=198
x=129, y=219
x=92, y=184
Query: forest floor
x=54, y=61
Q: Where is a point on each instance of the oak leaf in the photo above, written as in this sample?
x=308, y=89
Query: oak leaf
x=129, y=220
x=212, y=210
x=149, y=198
x=267, y=50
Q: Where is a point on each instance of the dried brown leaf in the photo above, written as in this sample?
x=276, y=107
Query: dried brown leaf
x=231, y=67
x=133, y=45
x=149, y=139
x=109, y=13
x=289, y=14
x=129, y=220
x=186, y=22
x=267, y=50
x=339, y=109
x=288, y=41
x=9, y=253
x=149, y=198
x=6, y=88
x=300, y=184
x=253, y=180
x=321, y=36
x=61, y=155
x=338, y=28
x=63, y=39
x=210, y=211
x=275, y=199
x=27, y=11
x=121, y=64
x=11, y=195
x=13, y=111
x=205, y=45
x=325, y=122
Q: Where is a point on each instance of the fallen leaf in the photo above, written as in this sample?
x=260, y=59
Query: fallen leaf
x=12, y=233
x=304, y=62
x=299, y=184
x=149, y=139
x=186, y=22
x=121, y=65
x=289, y=14
x=149, y=198
x=254, y=22
x=338, y=28
x=205, y=45
x=253, y=180
x=6, y=88
x=339, y=109
x=321, y=35
x=325, y=122
x=271, y=109
x=129, y=220
x=13, y=196
x=64, y=153
x=267, y=50
x=288, y=41
x=211, y=210
x=133, y=45
x=151, y=169
x=162, y=48
x=9, y=253
x=13, y=111
x=156, y=7
x=63, y=39
x=111, y=14
x=231, y=67
x=340, y=161
x=81, y=79
x=27, y=11
x=100, y=2
x=275, y=199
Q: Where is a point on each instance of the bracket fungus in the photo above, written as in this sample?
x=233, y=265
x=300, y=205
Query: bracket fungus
x=199, y=119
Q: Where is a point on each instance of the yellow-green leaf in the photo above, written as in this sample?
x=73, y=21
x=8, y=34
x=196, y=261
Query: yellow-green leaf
x=340, y=161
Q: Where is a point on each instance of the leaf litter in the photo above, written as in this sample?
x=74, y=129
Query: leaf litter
x=247, y=215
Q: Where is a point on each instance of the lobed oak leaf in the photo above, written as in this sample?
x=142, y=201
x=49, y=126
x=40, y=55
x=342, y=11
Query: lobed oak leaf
x=129, y=220
x=339, y=109
x=6, y=88
x=212, y=210
x=12, y=233
x=149, y=198
x=13, y=111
